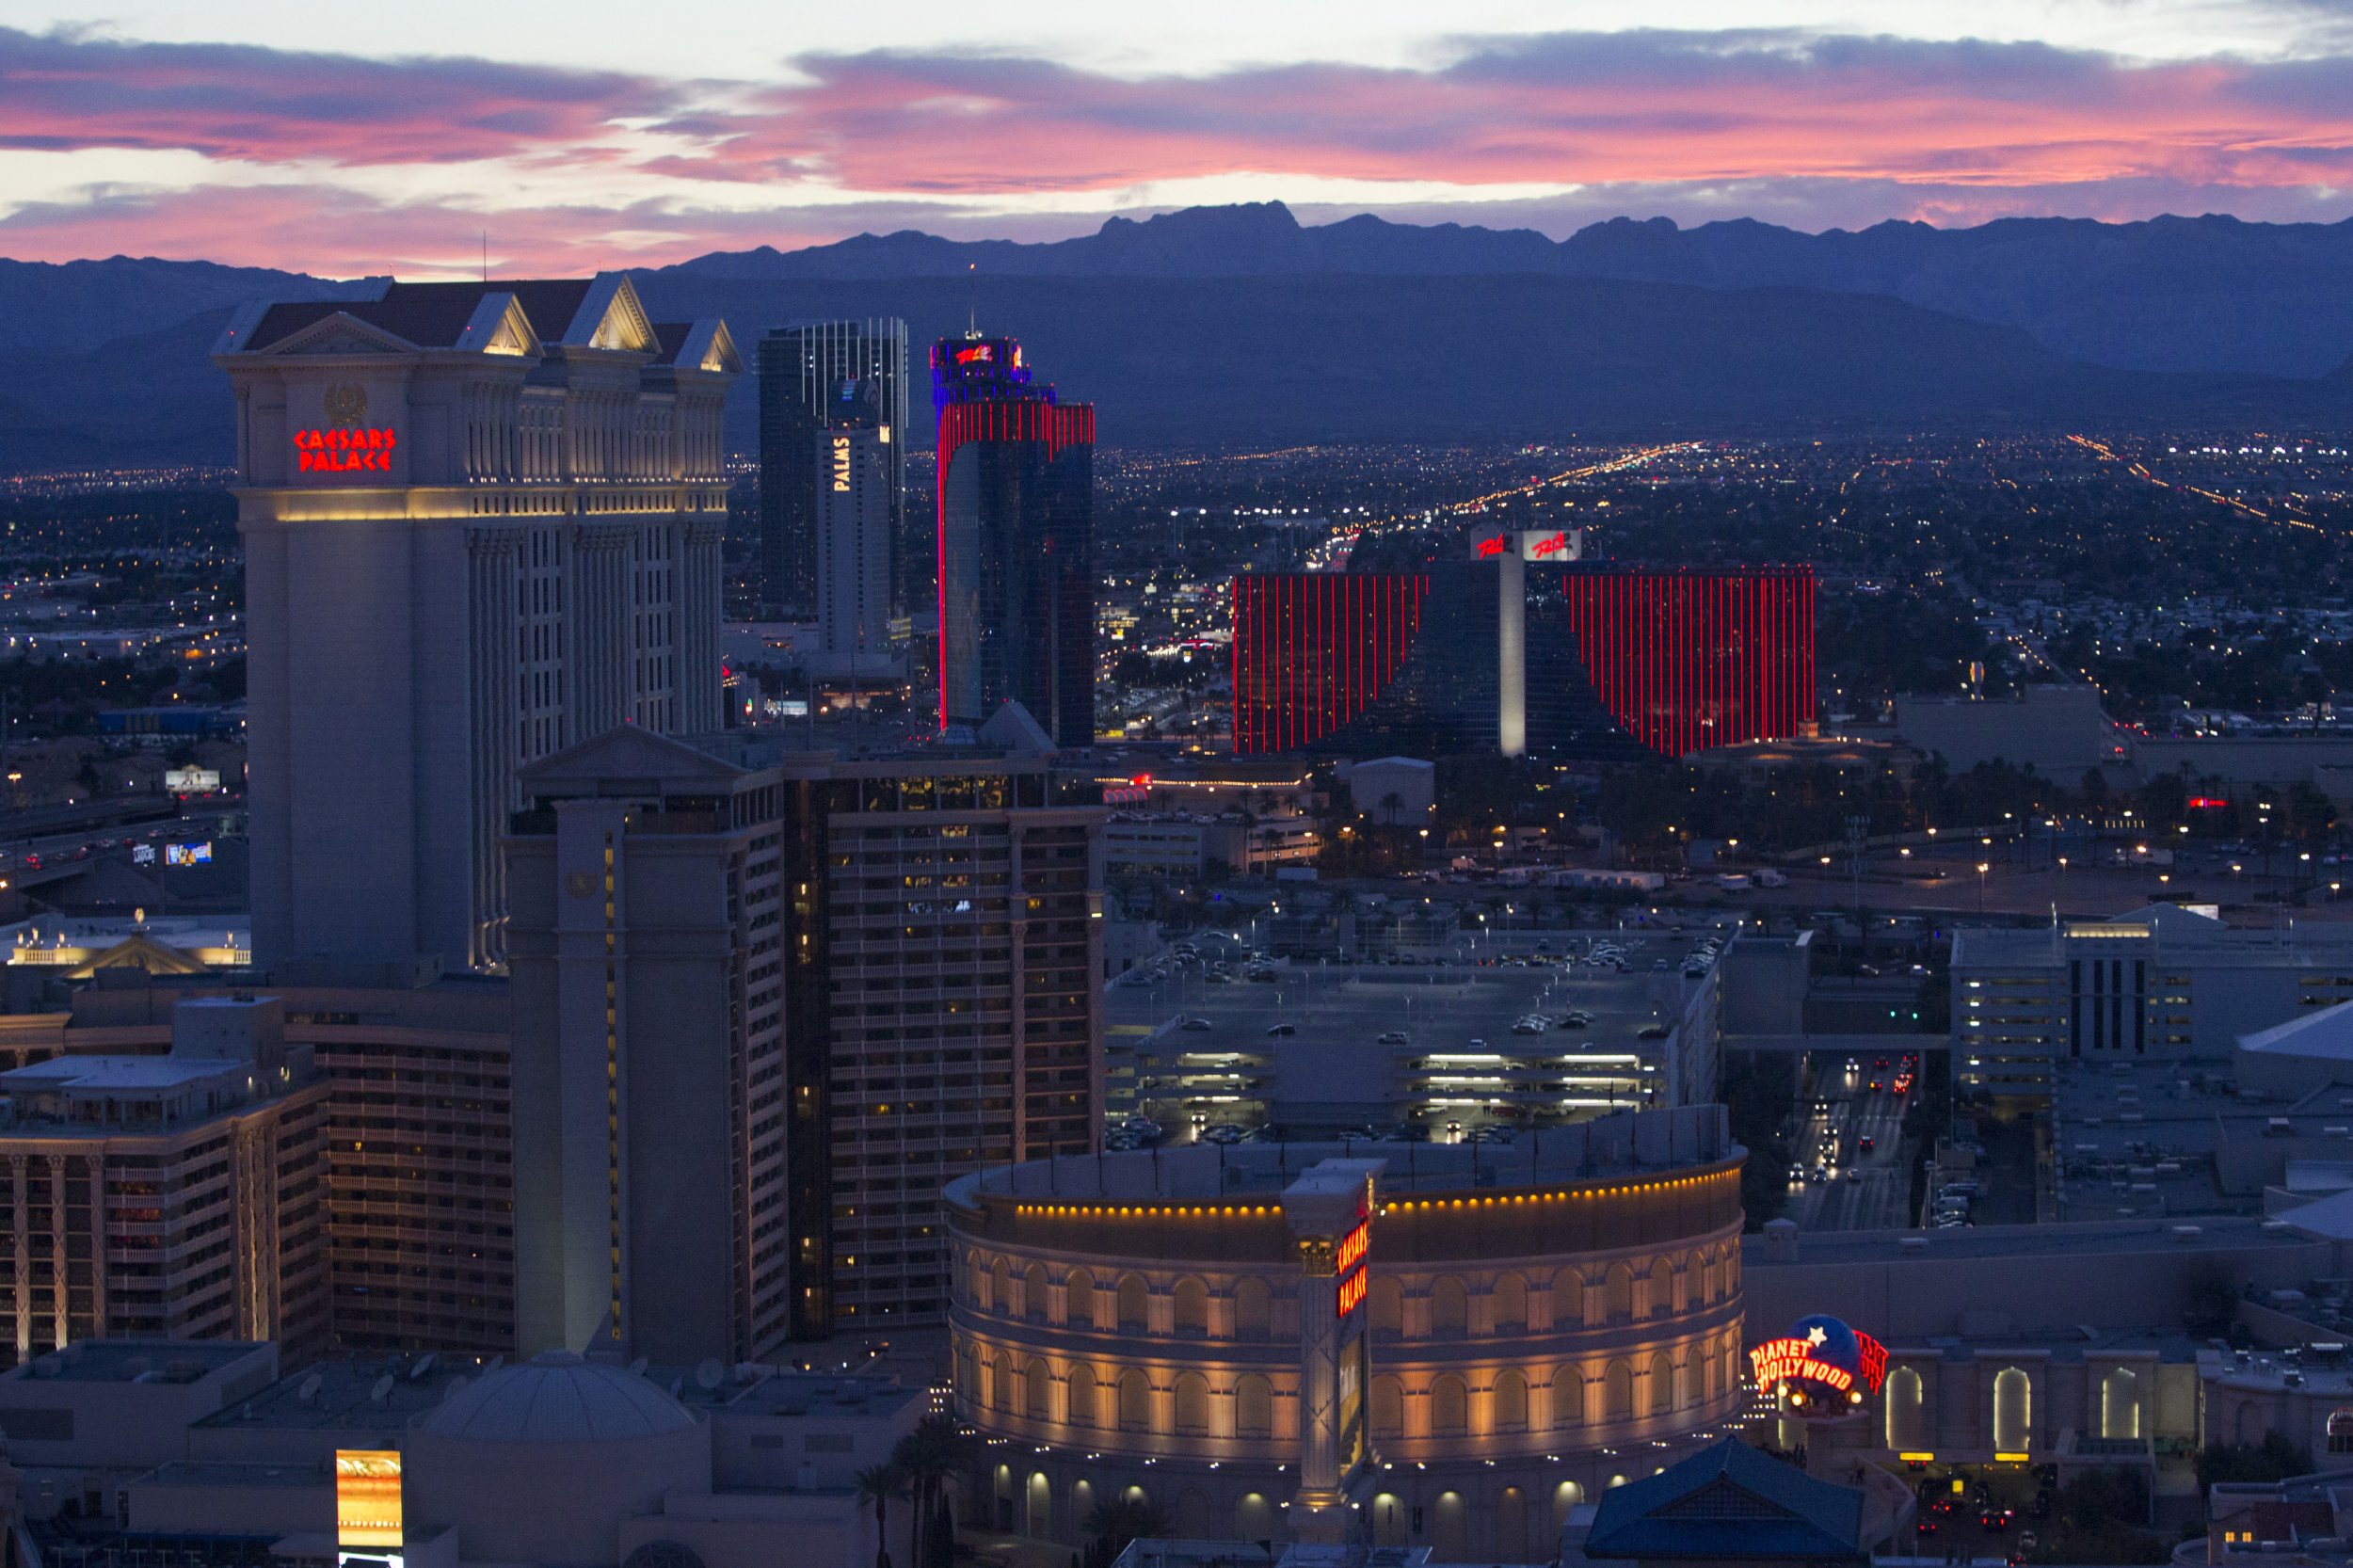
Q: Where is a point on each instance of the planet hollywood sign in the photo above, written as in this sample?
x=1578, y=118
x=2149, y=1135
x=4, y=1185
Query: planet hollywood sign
x=1821, y=1362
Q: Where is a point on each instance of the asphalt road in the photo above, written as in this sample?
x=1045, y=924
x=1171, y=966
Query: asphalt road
x=1845, y=1110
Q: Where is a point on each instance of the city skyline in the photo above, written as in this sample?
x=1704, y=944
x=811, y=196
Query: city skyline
x=273, y=136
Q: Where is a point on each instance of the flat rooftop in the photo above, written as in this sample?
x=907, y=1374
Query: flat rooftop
x=361, y=1393
x=2025, y=1243
x=1626, y=1145
x=1457, y=1020
x=128, y=1360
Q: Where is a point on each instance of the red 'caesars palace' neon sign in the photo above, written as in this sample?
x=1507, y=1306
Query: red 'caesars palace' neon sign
x=345, y=451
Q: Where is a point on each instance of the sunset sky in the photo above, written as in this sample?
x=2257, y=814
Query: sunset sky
x=343, y=139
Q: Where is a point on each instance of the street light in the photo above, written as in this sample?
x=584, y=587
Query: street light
x=1982, y=868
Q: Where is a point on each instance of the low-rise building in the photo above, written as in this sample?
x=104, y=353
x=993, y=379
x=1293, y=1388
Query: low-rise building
x=2161, y=981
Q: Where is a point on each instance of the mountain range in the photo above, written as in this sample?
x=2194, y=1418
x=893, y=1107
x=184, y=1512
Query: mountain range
x=1240, y=324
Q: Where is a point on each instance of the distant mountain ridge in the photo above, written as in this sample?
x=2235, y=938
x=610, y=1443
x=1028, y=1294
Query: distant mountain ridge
x=2174, y=294
x=1239, y=324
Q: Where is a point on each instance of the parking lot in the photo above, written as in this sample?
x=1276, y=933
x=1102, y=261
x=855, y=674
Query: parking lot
x=1525, y=1035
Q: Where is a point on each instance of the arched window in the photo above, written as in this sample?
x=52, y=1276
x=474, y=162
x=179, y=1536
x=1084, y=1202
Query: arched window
x=1450, y=1406
x=1511, y=1305
x=1253, y=1407
x=1001, y=1393
x=1450, y=1529
x=1512, y=1525
x=1617, y=1294
x=1568, y=1299
x=2014, y=1410
x=1388, y=1407
x=1449, y=1306
x=1082, y=1412
x=1565, y=1498
x=1662, y=1287
x=1568, y=1397
x=1510, y=1396
x=968, y=1379
x=1079, y=1299
x=1033, y=1293
x=1254, y=1312
x=1038, y=1384
x=1662, y=1385
x=1902, y=1397
x=1617, y=1392
x=1041, y=1505
x=1388, y=1306
x=1193, y=1405
x=1192, y=1306
x=1135, y=1309
x=1253, y=1517
x=1000, y=1287
x=1135, y=1402
x=2119, y=1404
x=1389, y=1521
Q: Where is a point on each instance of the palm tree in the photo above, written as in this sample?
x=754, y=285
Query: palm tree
x=1114, y=1522
x=878, y=1484
x=927, y=1458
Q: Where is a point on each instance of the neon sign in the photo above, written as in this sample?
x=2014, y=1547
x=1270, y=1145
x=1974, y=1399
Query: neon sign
x=345, y=451
x=840, y=464
x=1354, y=1247
x=979, y=351
x=1780, y=1360
x=2207, y=803
x=1821, y=1353
x=1499, y=545
x=1551, y=544
x=1349, y=1254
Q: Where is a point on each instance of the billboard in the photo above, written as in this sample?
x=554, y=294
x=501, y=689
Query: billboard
x=1821, y=1367
x=367, y=1505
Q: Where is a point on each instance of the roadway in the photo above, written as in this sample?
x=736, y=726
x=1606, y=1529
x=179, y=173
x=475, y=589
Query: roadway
x=1834, y=1115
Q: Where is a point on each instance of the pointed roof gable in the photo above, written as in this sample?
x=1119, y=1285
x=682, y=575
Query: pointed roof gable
x=1016, y=730
x=1728, y=1501
x=627, y=756
x=139, y=952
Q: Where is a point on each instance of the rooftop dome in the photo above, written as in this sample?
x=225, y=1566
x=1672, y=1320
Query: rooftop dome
x=557, y=1397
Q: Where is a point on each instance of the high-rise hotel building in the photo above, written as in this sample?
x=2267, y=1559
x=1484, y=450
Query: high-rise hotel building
x=815, y=380
x=1016, y=561
x=482, y=520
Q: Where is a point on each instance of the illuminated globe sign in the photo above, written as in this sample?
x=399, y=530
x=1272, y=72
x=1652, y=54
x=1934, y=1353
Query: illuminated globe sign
x=1821, y=1367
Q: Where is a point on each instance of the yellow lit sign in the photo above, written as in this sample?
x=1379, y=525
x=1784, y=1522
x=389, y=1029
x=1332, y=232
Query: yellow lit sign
x=1917, y=1458
x=367, y=1498
x=840, y=464
x=2012, y=1459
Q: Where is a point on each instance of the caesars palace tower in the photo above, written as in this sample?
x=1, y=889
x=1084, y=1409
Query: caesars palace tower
x=482, y=522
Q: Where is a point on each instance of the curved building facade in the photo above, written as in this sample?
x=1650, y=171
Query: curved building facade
x=1491, y=1340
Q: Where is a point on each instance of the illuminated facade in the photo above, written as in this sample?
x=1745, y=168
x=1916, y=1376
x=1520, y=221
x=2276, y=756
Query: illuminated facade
x=1016, y=572
x=1167, y=1325
x=1522, y=652
x=942, y=932
x=174, y=1195
x=815, y=379
x=481, y=522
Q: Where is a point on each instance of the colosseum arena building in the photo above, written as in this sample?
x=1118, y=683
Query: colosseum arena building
x=1503, y=1332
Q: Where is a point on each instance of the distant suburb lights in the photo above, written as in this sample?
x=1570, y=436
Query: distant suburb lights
x=345, y=451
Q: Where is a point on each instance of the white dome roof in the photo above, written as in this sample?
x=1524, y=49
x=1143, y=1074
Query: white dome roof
x=557, y=1397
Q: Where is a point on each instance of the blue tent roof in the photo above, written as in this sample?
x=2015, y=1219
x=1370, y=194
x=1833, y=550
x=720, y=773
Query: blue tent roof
x=1728, y=1500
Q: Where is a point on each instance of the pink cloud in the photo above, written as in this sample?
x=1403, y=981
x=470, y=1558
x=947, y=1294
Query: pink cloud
x=60, y=91
x=1803, y=129
x=1572, y=108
